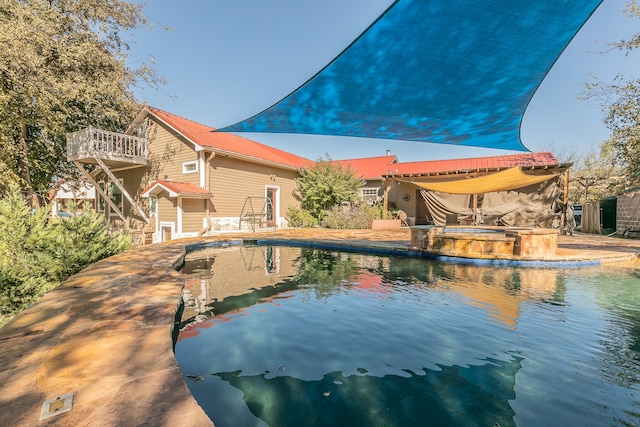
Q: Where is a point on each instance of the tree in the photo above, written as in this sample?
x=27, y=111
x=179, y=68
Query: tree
x=621, y=102
x=599, y=175
x=37, y=253
x=62, y=68
x=24, y=264
x=326, y=184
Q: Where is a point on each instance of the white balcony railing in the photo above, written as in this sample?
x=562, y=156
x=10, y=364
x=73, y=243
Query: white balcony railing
x=93, y=143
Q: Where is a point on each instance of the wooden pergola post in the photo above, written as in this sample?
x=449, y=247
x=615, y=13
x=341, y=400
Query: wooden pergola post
x=385, y=200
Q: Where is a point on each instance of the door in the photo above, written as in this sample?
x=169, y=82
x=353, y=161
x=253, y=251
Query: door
x=166, y=233
x=271, y=204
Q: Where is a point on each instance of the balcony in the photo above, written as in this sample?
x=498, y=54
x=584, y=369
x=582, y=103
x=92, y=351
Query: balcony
x=96, y=146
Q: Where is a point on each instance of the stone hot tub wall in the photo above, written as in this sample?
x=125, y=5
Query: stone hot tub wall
x=486, y=242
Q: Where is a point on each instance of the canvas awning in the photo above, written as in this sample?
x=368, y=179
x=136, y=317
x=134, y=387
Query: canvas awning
x=444, y=71
x=508, y=179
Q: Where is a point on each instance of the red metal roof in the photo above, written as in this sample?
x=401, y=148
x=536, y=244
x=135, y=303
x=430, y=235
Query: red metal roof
x=473, y=164
x=369, y=167
x=177, y=188
x=204, y=137
x=376, y=167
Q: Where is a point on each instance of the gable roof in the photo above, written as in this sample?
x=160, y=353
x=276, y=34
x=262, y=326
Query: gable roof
x=475, y=164
x=176, y=189
x=369, y=167
x=203, y=137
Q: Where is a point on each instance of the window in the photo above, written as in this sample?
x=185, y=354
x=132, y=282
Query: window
x=116, y=196
x=153, y=206
x=370, y=194
x=190, y=167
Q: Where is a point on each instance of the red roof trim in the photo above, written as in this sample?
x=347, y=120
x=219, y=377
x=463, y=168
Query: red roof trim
x=177, y=189
x=545, y=159
x=204, y=137
x=369, y=167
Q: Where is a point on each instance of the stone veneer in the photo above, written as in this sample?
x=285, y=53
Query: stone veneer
x=537, y=243
x=628, y=213
x=494, y=242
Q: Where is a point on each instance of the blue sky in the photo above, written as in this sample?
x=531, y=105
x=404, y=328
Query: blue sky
x=226, y=60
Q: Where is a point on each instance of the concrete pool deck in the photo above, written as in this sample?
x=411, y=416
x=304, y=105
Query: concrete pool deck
x=104, y=335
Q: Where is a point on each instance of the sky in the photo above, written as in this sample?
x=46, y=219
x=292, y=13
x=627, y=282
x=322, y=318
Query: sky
x=226, y=60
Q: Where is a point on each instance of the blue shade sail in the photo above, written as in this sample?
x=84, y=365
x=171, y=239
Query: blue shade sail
x=442, y=71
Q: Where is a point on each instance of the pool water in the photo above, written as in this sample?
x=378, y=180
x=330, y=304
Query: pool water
x=286, y=336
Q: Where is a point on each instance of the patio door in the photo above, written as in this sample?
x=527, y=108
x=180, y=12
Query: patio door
x=272, y=196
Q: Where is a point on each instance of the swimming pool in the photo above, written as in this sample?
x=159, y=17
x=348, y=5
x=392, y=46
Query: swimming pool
x=301, y=336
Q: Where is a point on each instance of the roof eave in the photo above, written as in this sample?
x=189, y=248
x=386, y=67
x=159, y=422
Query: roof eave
x=196, y=147
x=254, y=159
x=559, y=166
x=157, y=189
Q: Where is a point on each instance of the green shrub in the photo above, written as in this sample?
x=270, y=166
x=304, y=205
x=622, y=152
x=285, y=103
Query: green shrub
x=81, y=240
x=297, y=217
x=377, y=212
x=24, y=264
x=355, y=216
x=37, y=254
x=326, y=184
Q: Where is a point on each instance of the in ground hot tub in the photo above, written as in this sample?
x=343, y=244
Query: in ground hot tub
x=486, y=242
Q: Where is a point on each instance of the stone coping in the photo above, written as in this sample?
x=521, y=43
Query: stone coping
x=533, y=231
x=490, y=229
x=104, y=337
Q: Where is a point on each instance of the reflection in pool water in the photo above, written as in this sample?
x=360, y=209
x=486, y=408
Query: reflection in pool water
x=290, y=336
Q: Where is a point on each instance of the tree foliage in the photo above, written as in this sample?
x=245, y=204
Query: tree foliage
x=36, y=254
x=600, y=174
x=326, y=184
x=620, y=99
x=62, y=68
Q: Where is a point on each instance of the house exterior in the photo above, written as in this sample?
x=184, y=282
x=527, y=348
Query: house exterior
x=168, y=177
x=63, y=193
x=525, y=197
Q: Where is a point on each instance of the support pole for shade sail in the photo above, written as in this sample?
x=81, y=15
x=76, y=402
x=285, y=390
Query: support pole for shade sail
x=565, y=202
x=475, y=209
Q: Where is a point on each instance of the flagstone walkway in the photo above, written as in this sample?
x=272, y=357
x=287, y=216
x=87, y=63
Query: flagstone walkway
x=104, y=336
